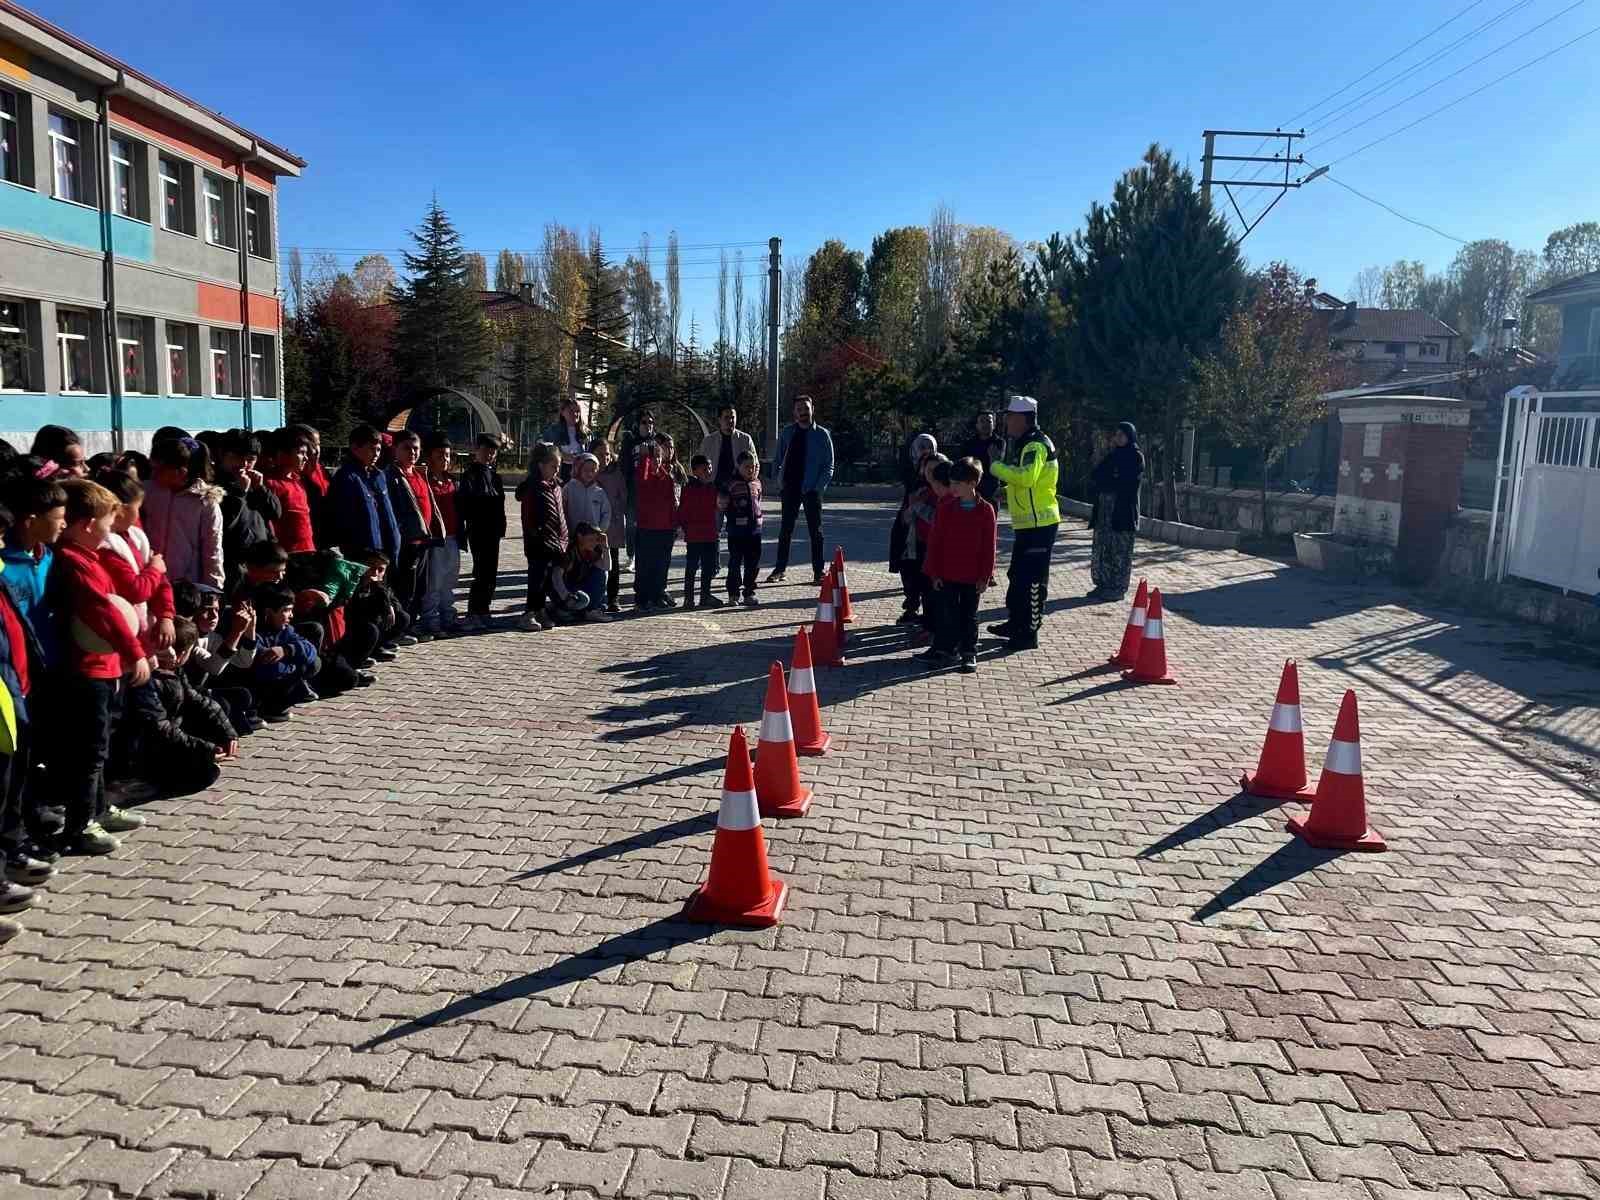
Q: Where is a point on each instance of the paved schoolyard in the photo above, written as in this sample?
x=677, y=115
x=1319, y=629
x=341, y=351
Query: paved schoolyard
x=422, y=941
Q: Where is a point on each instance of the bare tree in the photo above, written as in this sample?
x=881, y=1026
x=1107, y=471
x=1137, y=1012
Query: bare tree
x=374, y=276
x=477, y=272
x=943, y=279
x=674, y=296
x=738, y=303
x=297, y=282
x=794, y=278
x=722, y=316
x=508, y=271
x=1366, y=289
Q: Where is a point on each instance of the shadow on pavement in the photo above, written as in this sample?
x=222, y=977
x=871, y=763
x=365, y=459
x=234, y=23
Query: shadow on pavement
x=1239, y=807
x=637, y=944
x=1289, y=861
x=687, y=827
x=684, y=772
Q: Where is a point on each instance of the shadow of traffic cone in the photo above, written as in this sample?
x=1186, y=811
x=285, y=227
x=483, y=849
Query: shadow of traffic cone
x=739, y=889
x=1338, y=816
x=1127, y=655
x=778, y=786
x=825, y=629
x=1280, y=773
x=847, y=611
x=804, y=713
x=1152, y=666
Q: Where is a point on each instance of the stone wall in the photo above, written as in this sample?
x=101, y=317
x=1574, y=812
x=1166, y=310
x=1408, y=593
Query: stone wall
x=1239, y=509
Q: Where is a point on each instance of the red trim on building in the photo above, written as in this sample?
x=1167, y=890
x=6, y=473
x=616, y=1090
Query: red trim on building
x=152, y=126
x=217, y=302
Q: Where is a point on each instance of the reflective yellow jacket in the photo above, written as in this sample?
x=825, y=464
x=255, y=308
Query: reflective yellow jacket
x=1030, y=475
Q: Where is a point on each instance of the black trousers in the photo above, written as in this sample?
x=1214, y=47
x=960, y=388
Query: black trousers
x=83, y=773
x=485, y=551
x=958, y=618
x=792, y=504
x=1029, y=574
x=15, y=827
x=410, y=575
x=744, y=560
x=702, y=558
x=540, y=561
x=914, y=584
x=614, y=577
x=652, y=562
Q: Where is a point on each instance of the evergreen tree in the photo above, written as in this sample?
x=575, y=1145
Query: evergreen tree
x=441, y=338
x=602, y=340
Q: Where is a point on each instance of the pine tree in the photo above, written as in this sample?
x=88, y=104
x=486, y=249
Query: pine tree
x=602, y=341
x=441, y=338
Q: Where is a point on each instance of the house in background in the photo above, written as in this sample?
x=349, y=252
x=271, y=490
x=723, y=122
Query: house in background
x=1378, y=343
x=1578, y=351
x=138, y=250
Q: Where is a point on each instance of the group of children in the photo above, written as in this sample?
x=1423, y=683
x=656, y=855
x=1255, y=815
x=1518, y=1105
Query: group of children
x=574, y=533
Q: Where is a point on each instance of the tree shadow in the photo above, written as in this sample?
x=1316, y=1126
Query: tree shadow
x=655, y=836
x=1288, y=862
x=1238, y=807
x=658, y=936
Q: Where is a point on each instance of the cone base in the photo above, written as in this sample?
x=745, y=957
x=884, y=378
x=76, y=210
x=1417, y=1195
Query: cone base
x=797, y=807
x=1135, y=677
x=1117, y=660
x=1371, y=840
x=814, y=749
x=1253, y=784
x=706, y=911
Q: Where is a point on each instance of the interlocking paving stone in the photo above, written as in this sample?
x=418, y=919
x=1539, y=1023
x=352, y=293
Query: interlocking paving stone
x=423, y=940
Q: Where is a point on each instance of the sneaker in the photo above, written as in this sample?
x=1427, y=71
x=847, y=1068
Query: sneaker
x=8, y=930
x=365, y=679
x=1023, y=641
x=424, y=635
x=775, y=577
x=92, y=839
x=594, y=614
x=47, y=854
x=666, y=602
x=384, y=654
x=277, y=718
x=909, y=617
x=921, y=638
x=529, y=622
x=23, y=868
x=750, y=600
x=14, y=897
x=1003, y=629
x=688, y=602
x=613, y=608
x=937, y=660
x=366, y=664
x=119, y=820
x=969, y=664
x=405, y=639
x=710, y=601
x=303, y=693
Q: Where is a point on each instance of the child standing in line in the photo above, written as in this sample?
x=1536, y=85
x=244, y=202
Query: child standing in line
x=288, y=452
x=481, y=503
x=249, y=507
x=960, y=566
x=99, y=636
x=183, y=511
x=583, y=499
x=744, y=514
x=656, y=497
x=20, y=663
x=697, y=513
x=614, y=479
x=420, y=527
x=918, y=517
x=444, y=560
x=544, y=532
x=578, y=581
x=139, y=574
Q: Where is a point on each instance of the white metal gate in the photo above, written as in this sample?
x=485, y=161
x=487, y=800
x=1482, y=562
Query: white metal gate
x=1554, y=527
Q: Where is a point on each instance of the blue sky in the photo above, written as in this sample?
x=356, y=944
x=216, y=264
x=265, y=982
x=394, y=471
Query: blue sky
x=731, y=123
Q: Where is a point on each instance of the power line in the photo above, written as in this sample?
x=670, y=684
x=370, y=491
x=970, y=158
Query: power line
x=1396, y=212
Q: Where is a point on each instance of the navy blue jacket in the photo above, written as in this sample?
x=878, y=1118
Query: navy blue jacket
x=361, y=515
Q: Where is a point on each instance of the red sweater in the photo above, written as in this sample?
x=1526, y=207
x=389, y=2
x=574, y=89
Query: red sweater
x=657, y=497
x=293, y=530
x=962, y=546
x=85, y=590
x=444, y=498
x=697, y=511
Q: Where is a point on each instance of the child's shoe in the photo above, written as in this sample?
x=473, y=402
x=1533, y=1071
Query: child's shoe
x=750, y=600
x=969, y=664
x=405, y=639
x=8, y=930
x=708, y=600
x=425, y=635
x=92, y=839
x=530, y=622
x=613, y=608
x=23, y=868
x=14, y=897
x=666, y=602
x=303, y=694
x=384, y=654
x=688, y=600
x=120, y=820
x=594, y=614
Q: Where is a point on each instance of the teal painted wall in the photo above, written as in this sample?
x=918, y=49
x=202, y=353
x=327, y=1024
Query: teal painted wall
x=42, y=216
x=20, y=412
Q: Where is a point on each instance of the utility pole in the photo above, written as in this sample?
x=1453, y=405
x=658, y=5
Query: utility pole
x=774, y=295
x=1205, y=165
x=1286, y=158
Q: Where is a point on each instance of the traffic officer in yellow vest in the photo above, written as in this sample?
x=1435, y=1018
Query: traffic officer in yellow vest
x=1029, y=472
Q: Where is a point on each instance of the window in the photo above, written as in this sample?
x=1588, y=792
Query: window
x=224, y=362
x=219, y=212
x=181, y=378
x=1395, y=348
x=177, y=185
x=1428, y=350
x=15, y=355
x=258, y=224
x=66, y=158
x=131, y=354
x=11, y=128
x=128, y=179
x=263, y=366
x=77, y=360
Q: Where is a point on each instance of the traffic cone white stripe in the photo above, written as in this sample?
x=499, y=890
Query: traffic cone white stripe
x=776, y=727
x=801, y=681
x=825, y=613
x=1152, y=630
x=1285, y=718
x=1136, y=617
x=1344, y=758
x=739, y=812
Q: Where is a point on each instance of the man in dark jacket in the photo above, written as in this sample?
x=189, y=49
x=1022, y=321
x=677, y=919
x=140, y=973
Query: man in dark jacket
x=360, y=515
x=985, y=445
x=481, y=503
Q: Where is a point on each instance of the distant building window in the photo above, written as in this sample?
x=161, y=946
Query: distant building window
x=1429, y=349
x=177, y=208
x=180, y=366
x=10, y=138
x=131, y=354
x=263, y=366
x=122, y=193
x=77, y=359
x=15, y=354
x=219, y=212
x=224, y=362
x=1395, y=348
x=258, y=224
x=66, y=157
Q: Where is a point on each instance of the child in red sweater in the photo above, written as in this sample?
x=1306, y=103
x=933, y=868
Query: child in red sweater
x=697, y=513
x=656, y=497
x=289, y=453
x=99, y=639
x=960, y=565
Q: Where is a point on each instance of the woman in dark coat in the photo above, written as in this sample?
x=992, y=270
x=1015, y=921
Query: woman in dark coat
x=1115, y=482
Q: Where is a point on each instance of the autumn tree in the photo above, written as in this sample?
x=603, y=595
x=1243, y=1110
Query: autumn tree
x=374, y=278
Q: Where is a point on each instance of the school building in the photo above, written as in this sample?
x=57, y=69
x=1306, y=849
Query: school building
x=138, y=236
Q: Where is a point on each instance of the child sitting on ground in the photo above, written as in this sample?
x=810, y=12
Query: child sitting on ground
x=544, y=531
x=697, y=514
x=372, y=606
x=744, y=519
x=578, y=581
x=960, y=565
x=219, y=665
x=180, y=733
x=286, y=662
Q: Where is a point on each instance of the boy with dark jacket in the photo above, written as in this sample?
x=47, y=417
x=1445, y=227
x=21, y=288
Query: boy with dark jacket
x=419, y=522
x=697, y=514
x=358, y=510
x=286, y=662
x=180, y=732
x=481, y=503
x=744, y=520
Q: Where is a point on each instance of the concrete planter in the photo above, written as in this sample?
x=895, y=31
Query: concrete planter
x=1175, y=532
x=1336, y=554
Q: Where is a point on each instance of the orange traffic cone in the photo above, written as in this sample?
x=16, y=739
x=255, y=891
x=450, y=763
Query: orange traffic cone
x=739, y=889
x=778, y=785
x=804, y=714
x=1127, y=655
x=825, y=629
x=1152, y=666
x=1338, y=817
x=847, y=612
x=840, y=633
x=1281, y=772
